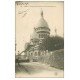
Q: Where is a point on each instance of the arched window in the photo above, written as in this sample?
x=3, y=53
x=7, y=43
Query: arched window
x=35, y=53
x=39, y=53
x=39, y=35
x=42, y=35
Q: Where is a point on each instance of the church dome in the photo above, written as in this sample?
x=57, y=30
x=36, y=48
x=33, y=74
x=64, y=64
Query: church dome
x=42, y=22
x=34, y=35
x=41, y=30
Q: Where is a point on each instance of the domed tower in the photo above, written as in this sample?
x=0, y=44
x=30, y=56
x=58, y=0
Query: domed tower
x=41, y=31
x=34, y=40
x=42, y=28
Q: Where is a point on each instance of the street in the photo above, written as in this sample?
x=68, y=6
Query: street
x=36, y=69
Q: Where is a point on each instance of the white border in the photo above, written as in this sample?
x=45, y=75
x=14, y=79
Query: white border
x=71, y=35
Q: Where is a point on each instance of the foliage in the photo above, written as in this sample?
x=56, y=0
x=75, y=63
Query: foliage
x=27, y=46
x=52, y=43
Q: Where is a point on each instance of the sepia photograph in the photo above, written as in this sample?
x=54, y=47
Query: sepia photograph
x=39, y=39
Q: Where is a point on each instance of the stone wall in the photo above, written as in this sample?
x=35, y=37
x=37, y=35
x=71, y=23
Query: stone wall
x=57, y=59
x=54, y=59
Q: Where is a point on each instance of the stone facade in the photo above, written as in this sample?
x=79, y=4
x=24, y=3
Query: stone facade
x=40, y=32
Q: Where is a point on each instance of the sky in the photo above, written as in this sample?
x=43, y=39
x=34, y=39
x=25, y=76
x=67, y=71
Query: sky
x=28, y=14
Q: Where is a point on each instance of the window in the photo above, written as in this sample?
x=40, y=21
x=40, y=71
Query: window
x=39, y=35
x=35, y=53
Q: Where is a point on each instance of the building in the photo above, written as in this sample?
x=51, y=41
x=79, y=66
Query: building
x=40, y=32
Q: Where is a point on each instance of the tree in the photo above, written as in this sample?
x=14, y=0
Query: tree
x=52, y=43
x=27, y=46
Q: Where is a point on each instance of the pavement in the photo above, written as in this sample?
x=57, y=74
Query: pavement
x=36, y=69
